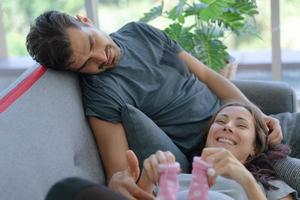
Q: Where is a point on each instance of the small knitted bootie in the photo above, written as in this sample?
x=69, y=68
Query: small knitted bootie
x=199, y=186
x=168, y=182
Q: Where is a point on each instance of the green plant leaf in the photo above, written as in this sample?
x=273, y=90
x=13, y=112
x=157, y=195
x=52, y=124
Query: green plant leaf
x=211, y=52
x=246, y=7
x=214, y=9
x=181, y=19
x=218, y=1
x=195, y=9
x=153, y=13
x=249, y=27
x=211, y=31
x=177, y=11
x=182, y=35
x=232, y=21
x=208, y=22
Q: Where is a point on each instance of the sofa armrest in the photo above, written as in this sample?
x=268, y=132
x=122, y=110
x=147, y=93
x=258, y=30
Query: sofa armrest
x=270, y=96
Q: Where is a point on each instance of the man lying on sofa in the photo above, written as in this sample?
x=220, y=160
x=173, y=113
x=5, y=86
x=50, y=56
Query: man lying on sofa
x=140, y=66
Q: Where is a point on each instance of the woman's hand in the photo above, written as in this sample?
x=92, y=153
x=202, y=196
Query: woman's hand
x=150, y=174
x=226, y=165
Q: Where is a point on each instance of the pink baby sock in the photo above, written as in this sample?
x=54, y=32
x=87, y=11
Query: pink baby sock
x=199, y=186
x=168, y=182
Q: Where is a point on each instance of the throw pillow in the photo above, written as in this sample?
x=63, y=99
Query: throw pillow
x=145, y=137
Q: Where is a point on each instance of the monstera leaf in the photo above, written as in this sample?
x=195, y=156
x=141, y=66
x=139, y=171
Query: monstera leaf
x=210, y=50
x=182, y=35
x=199, y=26
x=214, y=9
x=153, y=13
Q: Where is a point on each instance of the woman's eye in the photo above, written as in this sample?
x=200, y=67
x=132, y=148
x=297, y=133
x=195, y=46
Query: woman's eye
x=220, y=121
x=242, y=126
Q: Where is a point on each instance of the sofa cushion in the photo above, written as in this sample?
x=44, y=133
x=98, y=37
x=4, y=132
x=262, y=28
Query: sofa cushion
x=145, y=137
x=290, y=125
x=44, y=135
x=261, y=92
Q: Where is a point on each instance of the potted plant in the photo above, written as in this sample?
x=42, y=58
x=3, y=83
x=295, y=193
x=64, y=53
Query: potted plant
x=200, y=26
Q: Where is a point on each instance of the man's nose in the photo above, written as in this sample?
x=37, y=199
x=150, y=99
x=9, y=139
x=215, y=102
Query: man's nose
x=99, y=56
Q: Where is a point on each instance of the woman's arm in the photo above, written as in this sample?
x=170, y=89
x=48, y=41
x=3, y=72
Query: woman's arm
x=226, y=165
x=251, y=188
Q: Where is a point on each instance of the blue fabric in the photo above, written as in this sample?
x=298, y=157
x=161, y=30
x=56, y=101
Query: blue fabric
x=288, y=169
x=145, y=137
x=290, y=125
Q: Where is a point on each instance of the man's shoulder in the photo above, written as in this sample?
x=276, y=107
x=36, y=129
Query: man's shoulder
x=135, y=25
x=87, y=80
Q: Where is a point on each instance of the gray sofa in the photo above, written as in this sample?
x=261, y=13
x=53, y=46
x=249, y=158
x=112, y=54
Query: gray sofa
x=45, y=137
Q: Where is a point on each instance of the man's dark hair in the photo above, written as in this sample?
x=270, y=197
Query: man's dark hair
x=48, y=43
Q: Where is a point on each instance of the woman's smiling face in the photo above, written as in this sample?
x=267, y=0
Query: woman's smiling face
x=234, y=130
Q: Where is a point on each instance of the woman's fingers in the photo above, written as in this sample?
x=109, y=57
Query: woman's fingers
x=150, y=168
x=170, y=157
x=151, y=163
x=213, y=155
x=210, y=153
x=165, y=157
x=211, y=180
x=224, y=163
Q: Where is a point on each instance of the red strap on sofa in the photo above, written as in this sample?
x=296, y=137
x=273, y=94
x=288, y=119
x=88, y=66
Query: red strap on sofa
x=21, y=88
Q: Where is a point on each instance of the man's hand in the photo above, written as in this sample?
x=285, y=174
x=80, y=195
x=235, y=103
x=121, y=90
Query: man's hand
x=275, y=133
x=124, y=182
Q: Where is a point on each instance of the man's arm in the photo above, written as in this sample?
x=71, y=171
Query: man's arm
x=112, y=145
x=121, y=171
x=225, y=90
x=222, y=87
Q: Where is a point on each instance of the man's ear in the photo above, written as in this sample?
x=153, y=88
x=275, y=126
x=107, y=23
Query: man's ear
x=84, y=20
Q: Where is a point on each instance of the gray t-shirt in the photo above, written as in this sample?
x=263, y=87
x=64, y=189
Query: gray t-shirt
x=151, y=77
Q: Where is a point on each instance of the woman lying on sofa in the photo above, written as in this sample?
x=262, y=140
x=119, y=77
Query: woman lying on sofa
x=243, y=169
x=233, y=157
